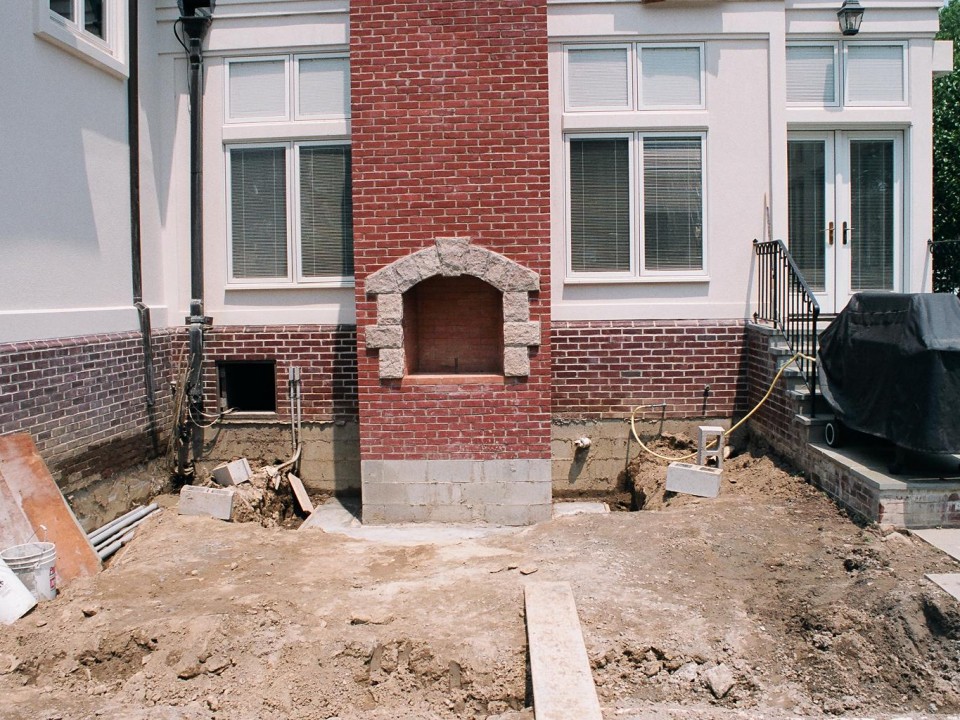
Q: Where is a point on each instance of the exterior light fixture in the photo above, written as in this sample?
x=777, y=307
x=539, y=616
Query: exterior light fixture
x=191, y=8
x=195, y=17
x=850, y=14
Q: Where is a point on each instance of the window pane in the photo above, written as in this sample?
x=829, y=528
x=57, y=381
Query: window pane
x=671, y=77
x=872, y=214
x=258, y=206
x=875, y=74
x=64, y=8
x=324, y=86
x=93, y=17
x=600, y=205
x=672, y=204
x=326, y=212
x=811, y=76
x=258, y=90
x=806, y=208
x=598, y=78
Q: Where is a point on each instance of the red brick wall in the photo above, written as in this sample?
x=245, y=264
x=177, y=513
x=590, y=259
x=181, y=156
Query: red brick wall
x=325, y=354
x=449, y=136
x=83, y=400
x=604, y=368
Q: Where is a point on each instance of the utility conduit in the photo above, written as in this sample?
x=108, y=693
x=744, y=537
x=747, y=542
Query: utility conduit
x=773, y=384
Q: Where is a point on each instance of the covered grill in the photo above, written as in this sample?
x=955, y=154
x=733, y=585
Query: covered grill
x=890, y=367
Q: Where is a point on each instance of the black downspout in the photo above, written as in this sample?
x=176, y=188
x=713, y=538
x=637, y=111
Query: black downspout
x=133, y=142
x=190, y=432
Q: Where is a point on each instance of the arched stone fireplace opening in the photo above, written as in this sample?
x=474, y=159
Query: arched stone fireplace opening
x=453, y=309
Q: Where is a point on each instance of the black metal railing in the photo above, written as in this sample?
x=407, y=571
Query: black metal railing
x=787, y=302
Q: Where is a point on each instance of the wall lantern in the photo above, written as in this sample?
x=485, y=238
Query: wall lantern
x=850, y=14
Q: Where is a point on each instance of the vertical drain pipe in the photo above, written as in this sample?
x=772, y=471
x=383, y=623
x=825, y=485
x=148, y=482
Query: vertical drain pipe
x=195, y=19
x=133, y=142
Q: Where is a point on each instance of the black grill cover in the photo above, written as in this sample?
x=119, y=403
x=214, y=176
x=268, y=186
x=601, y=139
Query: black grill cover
x=890, y=367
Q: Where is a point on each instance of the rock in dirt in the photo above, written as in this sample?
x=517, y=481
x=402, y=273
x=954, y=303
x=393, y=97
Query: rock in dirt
x=89, y=610
x=719, y=679
x=216, y=664
x=371, y=620
x=687, y=673
x=8, y=663
x=529, y=570
x=190, y=671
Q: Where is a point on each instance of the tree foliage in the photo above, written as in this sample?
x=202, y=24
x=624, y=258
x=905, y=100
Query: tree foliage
x=946, y=162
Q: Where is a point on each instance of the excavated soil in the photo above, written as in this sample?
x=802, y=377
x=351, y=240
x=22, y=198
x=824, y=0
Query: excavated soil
x=768, y=589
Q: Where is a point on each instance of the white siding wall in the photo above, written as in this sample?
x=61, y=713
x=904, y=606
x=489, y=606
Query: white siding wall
x=239, y=29
x=64, y=198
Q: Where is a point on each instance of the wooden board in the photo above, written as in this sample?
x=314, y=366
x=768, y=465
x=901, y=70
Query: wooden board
x=300, y=493
x=563, y=686
x=31, y=487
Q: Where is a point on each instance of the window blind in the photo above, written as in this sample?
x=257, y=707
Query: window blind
x=598, y=78
x=258, y=212
x=872, y=214
x=258, y=90
x=600, y=205
x=326, y=211
x=324, y=86
x=806, y=209
x=670, y=77
x=672, y=203
x=874, y=74
x=811, y=75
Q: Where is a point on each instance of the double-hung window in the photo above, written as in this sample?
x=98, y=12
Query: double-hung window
x=91, y=29
x=289, y=202
x=290, y=209
x=635, y=204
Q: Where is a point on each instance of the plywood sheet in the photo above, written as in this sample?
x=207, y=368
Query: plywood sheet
x=34, y=491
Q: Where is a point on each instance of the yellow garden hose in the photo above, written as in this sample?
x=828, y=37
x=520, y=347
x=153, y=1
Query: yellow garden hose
x=773, y=383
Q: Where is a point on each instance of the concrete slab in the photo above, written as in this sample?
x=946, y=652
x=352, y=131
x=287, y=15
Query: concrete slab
x=205, y=501
x=33, y=489
x=946, y=539
x=342, y=516
x=949, y=582
x=693, y=479
x=562, y=682
x=566, y=509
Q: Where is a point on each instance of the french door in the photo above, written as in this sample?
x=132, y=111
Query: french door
x=845, y=212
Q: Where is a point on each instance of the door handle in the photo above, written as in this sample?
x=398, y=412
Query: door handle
x=845, y=228
x=830, y=233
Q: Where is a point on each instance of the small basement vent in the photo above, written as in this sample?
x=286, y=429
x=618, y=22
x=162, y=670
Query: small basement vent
x=248, y=386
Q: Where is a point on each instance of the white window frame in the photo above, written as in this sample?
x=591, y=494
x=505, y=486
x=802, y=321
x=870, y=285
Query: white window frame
x=634, y=77
x=699, y=47
x=631, y=77
x=294, y=276
x=838, y=85
x=638, y=271
x=108, y=53
x=286, y=116
x=840, y=72
x=295, y=84
x=903, y=69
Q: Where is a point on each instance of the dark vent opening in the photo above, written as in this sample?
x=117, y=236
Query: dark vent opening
x=248, y=386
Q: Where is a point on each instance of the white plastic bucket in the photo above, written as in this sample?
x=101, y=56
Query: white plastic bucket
x=36, y=565
x=15, y=599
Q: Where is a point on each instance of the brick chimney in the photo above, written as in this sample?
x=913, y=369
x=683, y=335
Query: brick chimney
x=452, y=249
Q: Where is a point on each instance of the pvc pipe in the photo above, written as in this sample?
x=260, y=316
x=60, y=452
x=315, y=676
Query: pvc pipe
x=112, y=523
x=110, y=549
x=122, y=521
x=113, y=535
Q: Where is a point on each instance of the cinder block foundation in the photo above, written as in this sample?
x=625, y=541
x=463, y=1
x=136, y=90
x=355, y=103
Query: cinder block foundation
x=497, y=492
